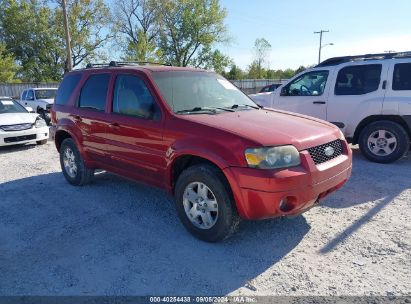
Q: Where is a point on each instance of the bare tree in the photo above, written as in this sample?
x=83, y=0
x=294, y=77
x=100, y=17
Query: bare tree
x=261, y=50
x=136, y=20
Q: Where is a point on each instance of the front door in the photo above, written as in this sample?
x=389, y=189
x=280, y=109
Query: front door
x=135, y=134
x=306, y=94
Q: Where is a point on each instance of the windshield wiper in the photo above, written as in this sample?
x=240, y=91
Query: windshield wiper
x=198, y=110
x=236, y=106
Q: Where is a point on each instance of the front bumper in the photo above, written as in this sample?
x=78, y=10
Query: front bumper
x=258, y=193
x=8, y=138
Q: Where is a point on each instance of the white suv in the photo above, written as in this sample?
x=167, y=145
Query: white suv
x=368, y=97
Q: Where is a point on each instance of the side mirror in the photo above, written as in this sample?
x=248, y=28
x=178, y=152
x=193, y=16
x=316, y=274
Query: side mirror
x=30, y=109
x=284, y=91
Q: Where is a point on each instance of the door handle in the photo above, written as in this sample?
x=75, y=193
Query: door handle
x=319, y=102
x=114, y=125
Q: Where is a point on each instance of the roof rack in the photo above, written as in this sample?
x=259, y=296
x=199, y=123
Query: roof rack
x=123, y=63
x=378, y=56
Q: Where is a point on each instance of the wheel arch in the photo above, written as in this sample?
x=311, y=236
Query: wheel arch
x=60, y=136
x=184, y=161
x=394, y=118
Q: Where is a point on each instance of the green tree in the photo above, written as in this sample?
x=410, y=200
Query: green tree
x=256, y=71
x=216, y=61
x=188, y=29
x=235, y=73
x=28, y=33
x=88, y=21
x=33, y=32
x=8, y=67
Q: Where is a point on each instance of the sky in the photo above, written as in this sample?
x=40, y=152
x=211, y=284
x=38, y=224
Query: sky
x=355, y=27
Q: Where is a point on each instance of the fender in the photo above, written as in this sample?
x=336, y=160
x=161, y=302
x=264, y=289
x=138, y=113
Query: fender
x=66, y=125
x=210, y=150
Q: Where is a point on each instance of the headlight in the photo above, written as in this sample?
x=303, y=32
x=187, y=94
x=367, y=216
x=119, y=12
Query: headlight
x=272, y=158
x=40, y=123
x=341, y=134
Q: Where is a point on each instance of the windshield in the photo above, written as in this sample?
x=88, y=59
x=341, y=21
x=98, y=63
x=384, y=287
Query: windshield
x=45, y=94
x=10, y=106
x=185, y=90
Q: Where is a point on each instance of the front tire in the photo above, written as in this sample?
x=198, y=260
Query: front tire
x=384, y=141
x=204, y=203
x=72, y=164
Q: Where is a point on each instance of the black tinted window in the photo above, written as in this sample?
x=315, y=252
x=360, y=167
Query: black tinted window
x=94, y=92
x=402, y=77
x=132, y=97
x=358, y=80
x=66, y=88
x=23, y=97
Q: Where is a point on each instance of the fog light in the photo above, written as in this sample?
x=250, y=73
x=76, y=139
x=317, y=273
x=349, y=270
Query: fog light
x=285, y=205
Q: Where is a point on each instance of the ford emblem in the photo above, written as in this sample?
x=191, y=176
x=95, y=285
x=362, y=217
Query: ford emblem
x=329, y=151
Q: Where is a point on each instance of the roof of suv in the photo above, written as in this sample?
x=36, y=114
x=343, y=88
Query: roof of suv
x=365, y=57
x=152, y=67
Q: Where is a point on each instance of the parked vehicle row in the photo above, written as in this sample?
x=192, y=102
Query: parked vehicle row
x=19, y=126
x=368, y=97
x=196, y=135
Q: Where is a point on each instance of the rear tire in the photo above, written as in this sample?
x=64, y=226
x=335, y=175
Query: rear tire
x=198, y=186
x=72, y=164
x=384, y=141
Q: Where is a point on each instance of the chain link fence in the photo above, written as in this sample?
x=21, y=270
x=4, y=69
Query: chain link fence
x=251, y=86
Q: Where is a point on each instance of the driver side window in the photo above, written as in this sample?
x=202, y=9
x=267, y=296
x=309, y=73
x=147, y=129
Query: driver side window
x=308, y=84
x=30, y=95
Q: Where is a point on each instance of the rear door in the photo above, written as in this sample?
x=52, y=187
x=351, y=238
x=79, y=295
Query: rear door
x=90, y=115
x=357, y=93
x=398, y=93
x=306, y=94
x=135, y=134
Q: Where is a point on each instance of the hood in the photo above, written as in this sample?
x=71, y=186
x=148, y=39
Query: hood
x=7, y=119
x=263, y=99
x=272, y=127
x=49, y=101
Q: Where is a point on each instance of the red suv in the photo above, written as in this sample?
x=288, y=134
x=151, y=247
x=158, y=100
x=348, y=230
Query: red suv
x=193, y=133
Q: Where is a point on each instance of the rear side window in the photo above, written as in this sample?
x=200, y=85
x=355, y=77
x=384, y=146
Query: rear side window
x=66, y=88
x=402, y=77
x=23, y=96
x=358, y=80
x=94, y=92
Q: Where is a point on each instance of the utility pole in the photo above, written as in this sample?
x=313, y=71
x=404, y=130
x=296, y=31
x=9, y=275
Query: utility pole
x=321, y=40
x=69, y=64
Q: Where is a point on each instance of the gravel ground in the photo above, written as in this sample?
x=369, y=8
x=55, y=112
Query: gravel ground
x=116, y=237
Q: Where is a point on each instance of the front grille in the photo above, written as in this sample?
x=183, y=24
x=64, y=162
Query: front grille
x=19, y=138
x=318, y=153
x=19, y=127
